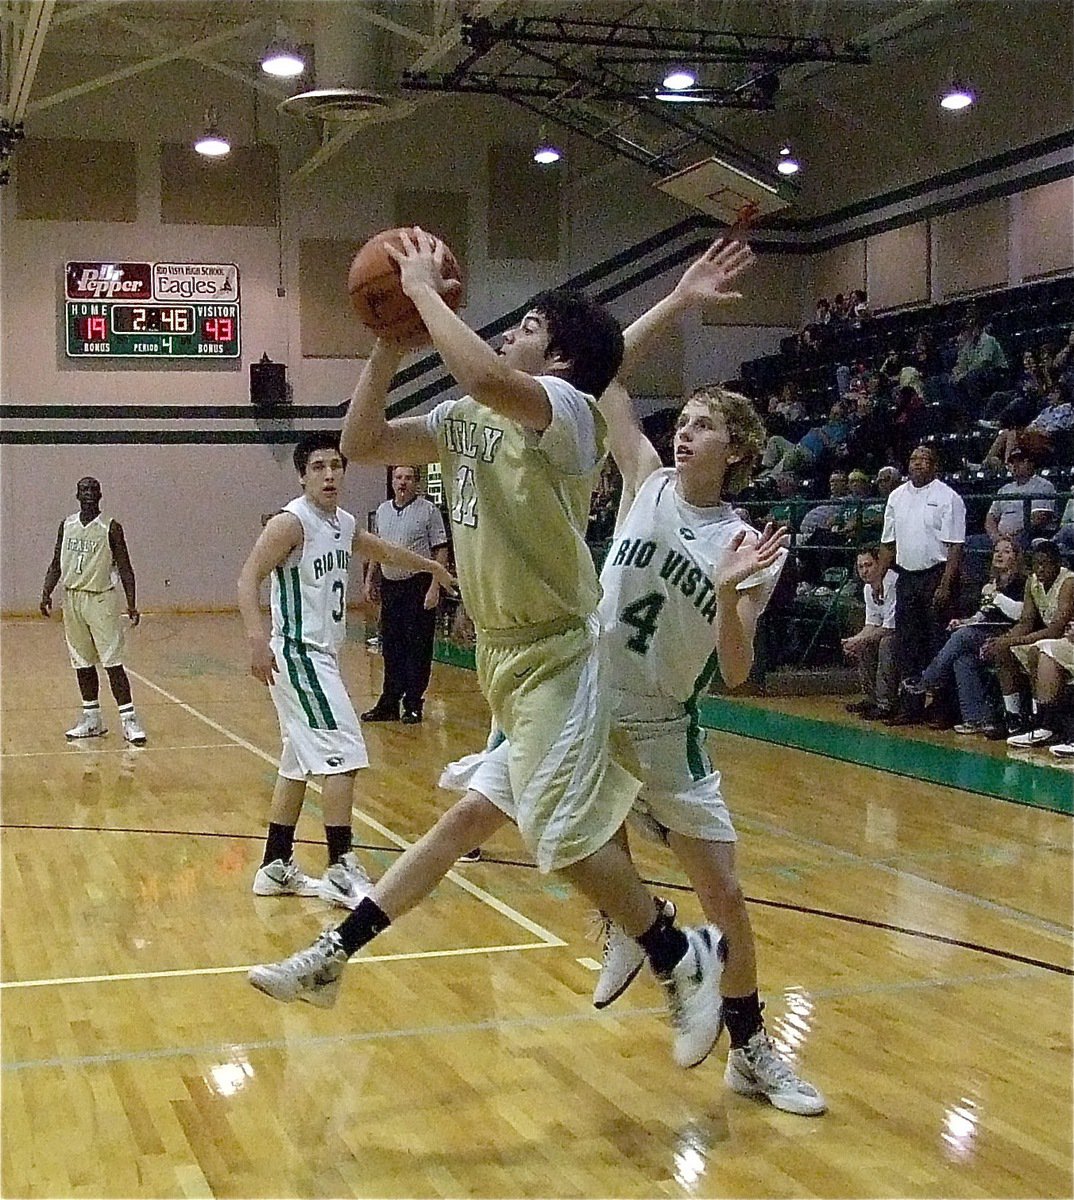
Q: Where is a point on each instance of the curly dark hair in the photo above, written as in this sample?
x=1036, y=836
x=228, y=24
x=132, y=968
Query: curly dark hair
x=323, y=439
x=585, y=334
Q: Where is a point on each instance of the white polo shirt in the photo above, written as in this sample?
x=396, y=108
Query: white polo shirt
x=922, y=522
x=880, y=610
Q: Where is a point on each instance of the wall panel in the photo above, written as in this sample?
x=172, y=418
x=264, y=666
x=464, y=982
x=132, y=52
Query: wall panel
x=898, y=267
x=239, y=189
x=328, y=324
x=1047, y=229
x=972, y=247
x=524, y=204
x=66, y=179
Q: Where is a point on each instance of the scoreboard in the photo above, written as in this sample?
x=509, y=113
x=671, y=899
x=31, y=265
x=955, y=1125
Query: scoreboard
x=152, y=310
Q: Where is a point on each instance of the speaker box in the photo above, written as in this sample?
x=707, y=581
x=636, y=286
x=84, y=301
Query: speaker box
x=268, y=385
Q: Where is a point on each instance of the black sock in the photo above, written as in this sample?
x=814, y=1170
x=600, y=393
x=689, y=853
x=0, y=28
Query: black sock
x=280, y=843
x=742, y=1015
x=1048, y=715
x=363, y=925
x=664, y=945
x=338, y=838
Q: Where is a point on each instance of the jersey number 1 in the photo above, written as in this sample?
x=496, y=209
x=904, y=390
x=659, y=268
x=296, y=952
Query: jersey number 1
x=464, y=510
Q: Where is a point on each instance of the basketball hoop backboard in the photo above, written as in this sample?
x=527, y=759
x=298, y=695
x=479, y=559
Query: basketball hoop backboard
x=725, y=192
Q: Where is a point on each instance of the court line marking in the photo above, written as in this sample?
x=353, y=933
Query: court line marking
x=228, y=1051
x=193, y=971
x=505, y=910
x=1015, y=914
x=87, y=753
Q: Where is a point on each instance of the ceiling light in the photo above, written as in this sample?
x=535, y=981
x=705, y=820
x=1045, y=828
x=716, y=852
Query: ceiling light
x=678, y=79
x=282, y=61
x=281, y=57
x=545, y=154
x=956, y=98
x=788, y=164
x=690, y=96
x=212, y=143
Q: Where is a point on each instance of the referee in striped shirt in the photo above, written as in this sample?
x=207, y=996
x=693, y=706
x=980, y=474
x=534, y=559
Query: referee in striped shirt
x=407, y=602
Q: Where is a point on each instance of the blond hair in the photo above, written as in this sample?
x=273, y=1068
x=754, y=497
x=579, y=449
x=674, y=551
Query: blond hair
x=744, y=428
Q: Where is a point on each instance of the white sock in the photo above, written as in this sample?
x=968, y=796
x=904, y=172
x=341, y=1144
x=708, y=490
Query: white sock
x=1013, y=703
x=126, y=711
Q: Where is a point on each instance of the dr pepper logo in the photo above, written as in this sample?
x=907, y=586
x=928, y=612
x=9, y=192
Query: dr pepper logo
x=109, y=281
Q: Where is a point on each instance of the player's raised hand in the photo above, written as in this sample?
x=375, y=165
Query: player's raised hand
x=747, y=555
x=421, y=262
x=709, y=278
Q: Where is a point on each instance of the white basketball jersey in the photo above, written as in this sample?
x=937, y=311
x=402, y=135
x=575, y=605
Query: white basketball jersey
x=309, y=588
x=659, y=606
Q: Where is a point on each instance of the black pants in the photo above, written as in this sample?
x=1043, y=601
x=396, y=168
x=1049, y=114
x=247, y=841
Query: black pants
x=407, y=630
x=920, y=631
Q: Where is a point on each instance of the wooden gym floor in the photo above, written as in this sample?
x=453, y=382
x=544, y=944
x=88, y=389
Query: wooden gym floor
x=914, y=946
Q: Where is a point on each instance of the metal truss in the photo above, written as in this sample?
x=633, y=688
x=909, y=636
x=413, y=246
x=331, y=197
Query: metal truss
x=597, y=78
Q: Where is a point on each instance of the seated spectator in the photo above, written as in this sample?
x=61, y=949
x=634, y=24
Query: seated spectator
x=860, y=492
x=1016, y=408
x=787, y=407
x=911, y=377
x=1047, y=609
x=1054, y=671
x=959, y=660
x=831, y=513
x=908, y=422
x=1006, y=518
x=890, y=366
x=1051, y=429
x=785, y=512
x=1060, y=367
x=1064, y=537
x=926, y=356
x=887, y=480
x=981, y=366
x=873, y=648
x=822, y=315
x=869, y=436
x=781, y=456
x=859, y=311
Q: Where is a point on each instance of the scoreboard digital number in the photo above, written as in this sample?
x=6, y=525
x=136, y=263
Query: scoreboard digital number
x=152, y=310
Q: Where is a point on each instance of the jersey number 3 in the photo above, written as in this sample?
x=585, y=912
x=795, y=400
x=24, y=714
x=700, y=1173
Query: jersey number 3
x=641, y=615
x=337, y=612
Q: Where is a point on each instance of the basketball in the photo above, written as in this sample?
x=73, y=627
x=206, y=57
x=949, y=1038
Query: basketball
x=378, y=298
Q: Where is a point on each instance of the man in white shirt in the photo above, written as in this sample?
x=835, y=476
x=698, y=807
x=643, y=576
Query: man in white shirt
x=924, y=531
x=873, y=647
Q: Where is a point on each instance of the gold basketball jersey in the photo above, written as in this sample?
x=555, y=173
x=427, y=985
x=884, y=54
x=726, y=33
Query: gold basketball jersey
x=85, y=555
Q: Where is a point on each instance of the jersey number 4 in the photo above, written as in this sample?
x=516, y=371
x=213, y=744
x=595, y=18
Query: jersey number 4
x=641, y=615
